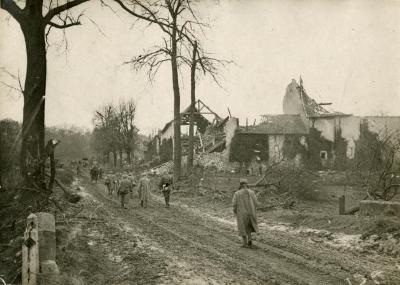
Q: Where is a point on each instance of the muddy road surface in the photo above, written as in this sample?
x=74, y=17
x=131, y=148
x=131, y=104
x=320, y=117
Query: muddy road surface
x=200, y=249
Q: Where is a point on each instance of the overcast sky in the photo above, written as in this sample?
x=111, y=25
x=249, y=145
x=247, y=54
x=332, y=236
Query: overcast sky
x=347, y=52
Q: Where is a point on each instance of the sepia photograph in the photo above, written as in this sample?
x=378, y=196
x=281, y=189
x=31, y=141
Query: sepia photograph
x=199, y=142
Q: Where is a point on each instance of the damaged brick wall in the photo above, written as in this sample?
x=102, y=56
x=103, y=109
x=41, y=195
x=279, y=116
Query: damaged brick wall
x=294, y=147
x=320, y=150
x=243, y=146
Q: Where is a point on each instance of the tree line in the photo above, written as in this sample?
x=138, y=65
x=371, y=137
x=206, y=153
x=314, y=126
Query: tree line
x=75, y=143
x=115, y=132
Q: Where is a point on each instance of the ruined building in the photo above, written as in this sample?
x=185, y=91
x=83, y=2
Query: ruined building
x=306, y=134
x=209, y=134
x=333, y=137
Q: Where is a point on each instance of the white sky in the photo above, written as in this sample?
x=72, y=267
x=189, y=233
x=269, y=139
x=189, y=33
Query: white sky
x=347, y=52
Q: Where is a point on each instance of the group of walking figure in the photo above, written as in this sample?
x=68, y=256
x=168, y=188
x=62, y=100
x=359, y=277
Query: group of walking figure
x=244, y=202
x=123, y=185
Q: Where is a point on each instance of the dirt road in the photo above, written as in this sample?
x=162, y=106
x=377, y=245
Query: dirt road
x=200, y=249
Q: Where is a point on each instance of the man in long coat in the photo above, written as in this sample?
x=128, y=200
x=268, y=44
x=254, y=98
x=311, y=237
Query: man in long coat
x=144, y=190
x=124, y=188
x=245, y=208
x=107, y=182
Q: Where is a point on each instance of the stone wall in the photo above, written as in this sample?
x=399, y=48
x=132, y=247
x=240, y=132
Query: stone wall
x=376, y=208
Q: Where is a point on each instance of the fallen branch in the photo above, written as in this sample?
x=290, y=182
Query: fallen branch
x=71, y=196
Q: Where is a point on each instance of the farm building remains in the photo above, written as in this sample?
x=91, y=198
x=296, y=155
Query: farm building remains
x=307, y=133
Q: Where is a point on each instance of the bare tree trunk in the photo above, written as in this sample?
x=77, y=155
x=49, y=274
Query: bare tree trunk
x=121, y=160
x=177, y=105
x=115, y=158
x=128, y=156
x=33, y=24
x=50, y=148
x=192, y=107
x=33, y=127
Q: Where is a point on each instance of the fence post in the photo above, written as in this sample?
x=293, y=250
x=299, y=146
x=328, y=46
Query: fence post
x=30, y=252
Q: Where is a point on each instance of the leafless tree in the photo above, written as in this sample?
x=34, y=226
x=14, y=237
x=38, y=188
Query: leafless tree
x=115, y=130
x=200, y=61
x=167, y=15
x=106, y=131
x=36, y=18
x=127, y=129
x=177, y=20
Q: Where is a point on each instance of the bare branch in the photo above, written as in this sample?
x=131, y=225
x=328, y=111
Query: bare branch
x=65, y=25
x=59, y=9
x=152, y=18
x=14, y=77
x=152, y=60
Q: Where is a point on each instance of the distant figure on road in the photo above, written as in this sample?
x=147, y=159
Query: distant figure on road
x=132, y=180
x=107, y=182
x=124, y=189
x=166, y=185
x=79, y=169
x=94, y=174
x=114, y=183
x=100, y=172
x=245, y=208
x=144, y=190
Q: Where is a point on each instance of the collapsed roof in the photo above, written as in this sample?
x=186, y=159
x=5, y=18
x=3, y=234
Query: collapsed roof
x=311, y=108
x=277, y=125
x=203, y=116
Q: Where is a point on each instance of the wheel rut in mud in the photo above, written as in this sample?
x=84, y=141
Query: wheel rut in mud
x=213, y=249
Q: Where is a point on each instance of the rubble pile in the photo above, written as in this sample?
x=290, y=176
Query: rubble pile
x=164, y=168
x=210, y=160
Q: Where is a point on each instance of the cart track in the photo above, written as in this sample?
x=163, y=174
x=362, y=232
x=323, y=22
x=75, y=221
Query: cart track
x=213, y=249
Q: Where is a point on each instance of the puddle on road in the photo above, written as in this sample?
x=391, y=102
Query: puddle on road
x=337, y=240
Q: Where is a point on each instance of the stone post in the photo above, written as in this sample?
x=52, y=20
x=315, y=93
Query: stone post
x=47, y=243
x=30, y=252
x=39, y=250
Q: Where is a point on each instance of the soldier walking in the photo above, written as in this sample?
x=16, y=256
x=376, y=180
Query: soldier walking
x=245, y=208
x=114, y=183
x=107, y=182
x=144, y=190
x=123, y=191
x=166, y=185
